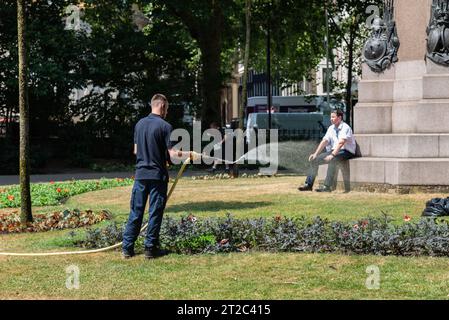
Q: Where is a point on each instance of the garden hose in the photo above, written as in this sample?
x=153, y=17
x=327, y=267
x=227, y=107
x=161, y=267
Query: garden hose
x=178, y=177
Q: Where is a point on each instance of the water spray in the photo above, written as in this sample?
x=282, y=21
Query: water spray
x=252, y=155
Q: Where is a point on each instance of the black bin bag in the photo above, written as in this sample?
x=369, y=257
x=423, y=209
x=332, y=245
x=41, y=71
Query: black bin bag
x=436, y=207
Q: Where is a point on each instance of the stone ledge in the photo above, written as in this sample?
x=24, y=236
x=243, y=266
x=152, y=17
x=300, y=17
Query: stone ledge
x=395, y=171
x=373, y=118
x=392, y=189
x=404, y=145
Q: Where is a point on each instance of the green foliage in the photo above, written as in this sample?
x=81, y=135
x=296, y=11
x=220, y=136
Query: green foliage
x=98, y=238
x=129, y=66
x=111, y=167
x=55, y=61
x=48, y=194
x=378, y=236
x=348, y=32
x=132, y=65
x=9, y=157
x=297, y=32
x=187, y=50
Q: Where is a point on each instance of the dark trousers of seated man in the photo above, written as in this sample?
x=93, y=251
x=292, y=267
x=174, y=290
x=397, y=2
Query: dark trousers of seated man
x=343, y=155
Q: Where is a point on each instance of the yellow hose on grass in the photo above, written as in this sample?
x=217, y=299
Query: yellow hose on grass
x=47, y=254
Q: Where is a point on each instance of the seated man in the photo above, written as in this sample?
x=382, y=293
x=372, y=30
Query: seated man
x=342, y=143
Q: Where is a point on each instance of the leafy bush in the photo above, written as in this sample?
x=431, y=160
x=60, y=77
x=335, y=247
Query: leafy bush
x=10, y=223
x=48, y=194
x=100, y=237
x=112, y=167
x=378, y=236
x=9, y=157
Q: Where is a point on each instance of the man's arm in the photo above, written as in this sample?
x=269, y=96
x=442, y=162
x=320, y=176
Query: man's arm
x=340, y=145
x=335, y=152
x=183, y=155
x=176, y=154
x=320, y=148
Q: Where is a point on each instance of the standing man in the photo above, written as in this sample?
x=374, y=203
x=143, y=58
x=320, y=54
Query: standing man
x=153, y=148
x=219, y=151
x=340, y=139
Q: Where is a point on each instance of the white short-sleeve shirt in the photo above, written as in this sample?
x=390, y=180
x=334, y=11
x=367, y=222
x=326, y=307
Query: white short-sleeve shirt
x=344, y=131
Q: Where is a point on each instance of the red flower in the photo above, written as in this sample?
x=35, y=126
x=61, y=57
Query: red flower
x=278, y=218
x=364, y=224
x=224, y=241
x=407, y=218
x=59, y=190
x=52, y=182
x=192, y=218
x=11, y=197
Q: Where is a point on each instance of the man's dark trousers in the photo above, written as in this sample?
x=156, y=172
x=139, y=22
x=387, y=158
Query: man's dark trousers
x=157, y=191
x=343, y=155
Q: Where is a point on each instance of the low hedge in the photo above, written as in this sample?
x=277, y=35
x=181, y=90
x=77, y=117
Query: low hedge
x=377, y=236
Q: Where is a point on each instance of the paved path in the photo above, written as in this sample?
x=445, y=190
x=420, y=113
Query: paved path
x=10, y=180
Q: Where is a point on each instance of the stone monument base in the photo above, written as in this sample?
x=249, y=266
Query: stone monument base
x=395, y=175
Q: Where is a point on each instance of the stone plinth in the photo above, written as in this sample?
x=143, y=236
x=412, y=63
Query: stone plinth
x=393, y=171
x=402, y=119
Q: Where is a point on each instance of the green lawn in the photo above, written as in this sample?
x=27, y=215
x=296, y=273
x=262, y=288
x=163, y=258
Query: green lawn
x=235, y=276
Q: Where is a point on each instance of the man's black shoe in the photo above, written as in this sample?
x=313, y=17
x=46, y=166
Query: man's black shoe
x=324, y=189
x=305, y=187
x=126, y=254
x=153, y=253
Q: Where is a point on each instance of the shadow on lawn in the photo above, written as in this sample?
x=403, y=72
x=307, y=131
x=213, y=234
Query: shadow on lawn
x=216, y=206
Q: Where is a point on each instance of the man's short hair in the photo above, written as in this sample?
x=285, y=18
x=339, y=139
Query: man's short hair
x=159, y=97
x=339, y=113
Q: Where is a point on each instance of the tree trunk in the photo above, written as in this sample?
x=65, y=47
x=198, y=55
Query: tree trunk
x=211, y=67
x=25, y=209
x=348, y=98
x=245, y=65
x=7, y=120
x=209, y=37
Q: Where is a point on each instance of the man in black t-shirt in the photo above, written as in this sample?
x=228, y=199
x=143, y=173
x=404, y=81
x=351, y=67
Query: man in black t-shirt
x=153, y=149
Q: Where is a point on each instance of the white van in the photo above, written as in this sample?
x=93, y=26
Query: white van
x=311, y=124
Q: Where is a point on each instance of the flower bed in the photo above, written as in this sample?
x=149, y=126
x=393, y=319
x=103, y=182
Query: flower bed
x=225, y=176
x=378, y=236
x=10, y=223
x=48, y=194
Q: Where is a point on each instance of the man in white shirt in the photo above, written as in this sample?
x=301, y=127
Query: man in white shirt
x=340, y=139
